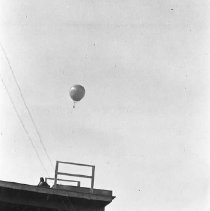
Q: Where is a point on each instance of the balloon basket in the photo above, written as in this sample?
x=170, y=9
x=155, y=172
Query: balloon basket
x=74, y=104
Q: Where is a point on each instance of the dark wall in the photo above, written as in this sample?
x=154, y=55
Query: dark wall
x=15, y=207
x=21, y=200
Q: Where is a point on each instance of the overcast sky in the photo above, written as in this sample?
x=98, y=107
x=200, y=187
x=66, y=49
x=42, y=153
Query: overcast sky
x=145, y=119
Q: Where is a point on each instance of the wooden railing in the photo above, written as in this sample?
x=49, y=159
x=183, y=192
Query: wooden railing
x=74, y=175
x=64, y=180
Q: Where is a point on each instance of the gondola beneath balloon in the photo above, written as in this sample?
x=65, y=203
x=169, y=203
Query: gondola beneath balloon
x=77, y=92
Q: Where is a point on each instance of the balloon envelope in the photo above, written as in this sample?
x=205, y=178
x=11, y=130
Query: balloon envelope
x=77, y=92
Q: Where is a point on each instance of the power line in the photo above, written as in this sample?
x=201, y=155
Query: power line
x=27, y=108
x=21, y=121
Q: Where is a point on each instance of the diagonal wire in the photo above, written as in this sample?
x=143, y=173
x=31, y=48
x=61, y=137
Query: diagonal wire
x=22, y=123
x=27, y=108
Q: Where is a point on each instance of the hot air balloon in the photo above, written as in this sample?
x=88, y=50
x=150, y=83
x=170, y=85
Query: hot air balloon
x=77, y=92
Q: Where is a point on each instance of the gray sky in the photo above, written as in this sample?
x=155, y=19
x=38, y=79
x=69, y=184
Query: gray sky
x=144, y=121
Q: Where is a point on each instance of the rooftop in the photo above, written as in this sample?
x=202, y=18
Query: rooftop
x=59, y=197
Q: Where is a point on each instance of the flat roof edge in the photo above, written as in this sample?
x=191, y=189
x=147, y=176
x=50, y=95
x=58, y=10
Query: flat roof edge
x=58, y=192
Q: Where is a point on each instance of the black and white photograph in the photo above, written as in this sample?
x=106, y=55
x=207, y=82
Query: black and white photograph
x=104, y=105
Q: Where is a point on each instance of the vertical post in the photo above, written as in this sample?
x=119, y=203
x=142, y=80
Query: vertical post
x=92, y=179
x=56, y=173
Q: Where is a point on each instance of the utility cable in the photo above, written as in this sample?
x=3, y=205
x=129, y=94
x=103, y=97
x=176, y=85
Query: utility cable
x=27, y=108
x=21, y=121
